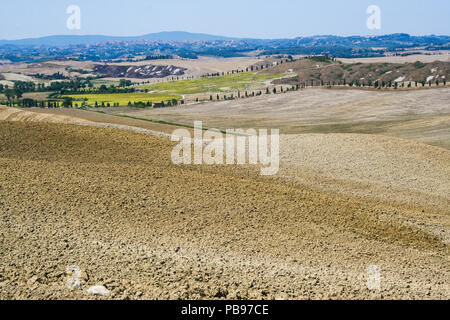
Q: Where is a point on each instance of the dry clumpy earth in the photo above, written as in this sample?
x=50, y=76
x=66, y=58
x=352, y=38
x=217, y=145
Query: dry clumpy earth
x=112, y=203
x=139, y=72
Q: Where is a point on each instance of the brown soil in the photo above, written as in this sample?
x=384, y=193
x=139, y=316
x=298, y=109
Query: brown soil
x=14, y=114
x=113, y=203
x=307, y=70
x=101, y=118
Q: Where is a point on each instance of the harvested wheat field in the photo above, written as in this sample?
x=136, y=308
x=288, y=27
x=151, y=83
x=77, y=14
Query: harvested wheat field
x=112, y=203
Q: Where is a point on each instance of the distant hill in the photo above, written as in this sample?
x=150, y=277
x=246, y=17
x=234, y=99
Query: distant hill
x=64, y=40
x=389, y=41
x=108, y=48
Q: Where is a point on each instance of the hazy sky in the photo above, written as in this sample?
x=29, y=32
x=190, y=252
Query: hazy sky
x=237, y=18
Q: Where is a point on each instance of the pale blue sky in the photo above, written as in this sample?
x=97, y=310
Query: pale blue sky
x=236, y=18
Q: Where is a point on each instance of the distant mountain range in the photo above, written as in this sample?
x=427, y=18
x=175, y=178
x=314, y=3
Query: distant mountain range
x=110, y=48
x=64, y=40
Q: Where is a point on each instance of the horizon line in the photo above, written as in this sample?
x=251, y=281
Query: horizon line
x=223, y=36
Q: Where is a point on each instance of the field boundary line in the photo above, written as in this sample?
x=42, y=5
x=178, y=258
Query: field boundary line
x=167, y=123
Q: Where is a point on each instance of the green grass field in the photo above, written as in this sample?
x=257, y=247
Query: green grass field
x=227, y=83
x=121, y=98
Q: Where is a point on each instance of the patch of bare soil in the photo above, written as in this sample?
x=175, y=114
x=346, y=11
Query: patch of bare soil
x=373, y=167
x=112, y=203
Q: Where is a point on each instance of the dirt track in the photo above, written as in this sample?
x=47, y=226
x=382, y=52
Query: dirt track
x=112, y=203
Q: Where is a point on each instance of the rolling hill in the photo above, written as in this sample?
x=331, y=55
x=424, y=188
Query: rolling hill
x=63, y=40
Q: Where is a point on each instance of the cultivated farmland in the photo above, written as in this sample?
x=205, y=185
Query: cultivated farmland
x=363, y=181
x=148, y=229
